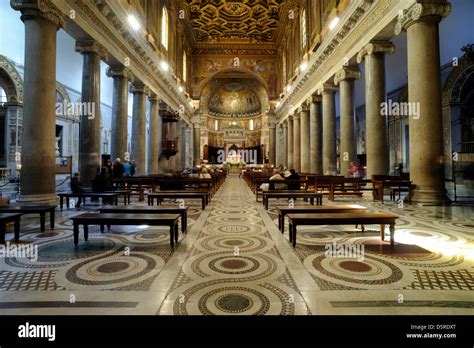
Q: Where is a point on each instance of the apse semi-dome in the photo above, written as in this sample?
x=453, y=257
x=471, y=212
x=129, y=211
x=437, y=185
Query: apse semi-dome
x=234, y=98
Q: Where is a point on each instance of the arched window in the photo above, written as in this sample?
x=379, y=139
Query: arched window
x=3, y=96
x=251, y=125
x=164, y=27
x=185, y=66
x=304, y=31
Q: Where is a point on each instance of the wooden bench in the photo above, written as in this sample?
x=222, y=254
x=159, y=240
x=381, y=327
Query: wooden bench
x=42, y=210
x=325, y=209
x=183, y=212
x=127, y=194
x=84, y=195
x=159, y=196
x=292, y=194
x=6, y=219
x=367, y=218
x=170, y=220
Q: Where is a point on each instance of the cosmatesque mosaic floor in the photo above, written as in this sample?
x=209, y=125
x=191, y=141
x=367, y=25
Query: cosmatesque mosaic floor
x=235, y=261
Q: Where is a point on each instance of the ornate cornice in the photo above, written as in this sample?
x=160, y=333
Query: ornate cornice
x=39, y=8
x=120, y=72
x=91, y=46
x=423, y=9
x=314, y=99
x=347, y=73
x=382, y=47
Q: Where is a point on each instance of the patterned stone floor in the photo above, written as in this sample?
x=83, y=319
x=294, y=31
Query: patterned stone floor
x=235, y=261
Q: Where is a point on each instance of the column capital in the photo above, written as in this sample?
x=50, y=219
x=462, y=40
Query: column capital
x=327, y=88
x=91, y=46
x=347, y=73
x=119, y=71
x=422, y=10
x=373, y=47
x=39, y=8
x=314, y=99
x=296, y=116
x=139, y=87
x=290, y=118
x=303, y=108
x=153, y=98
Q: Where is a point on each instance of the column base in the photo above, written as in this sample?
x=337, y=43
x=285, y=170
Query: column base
x=430, y=196
x=47, y=199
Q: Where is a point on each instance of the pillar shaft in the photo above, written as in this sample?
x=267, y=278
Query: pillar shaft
x=296, y=142
x=119, y=129
x=305, y=141
x=138, y=153
x=329, y=133
x=197, y=143
x=290, y=143
x=89, y=133
x=153, y=146
x=272, y=147
x=38, y=179
x=316, y=139
x=285, y=145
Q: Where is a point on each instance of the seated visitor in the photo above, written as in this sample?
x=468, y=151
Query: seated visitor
x=293, y=176
x=194, y=174
x=278, y=176
x=205, y=174
x=76, y=184
x=117, y=170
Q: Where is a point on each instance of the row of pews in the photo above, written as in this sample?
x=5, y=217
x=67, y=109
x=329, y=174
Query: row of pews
x=313, y=187
x=111, y=213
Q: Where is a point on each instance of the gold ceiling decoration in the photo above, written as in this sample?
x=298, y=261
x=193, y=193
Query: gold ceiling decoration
x=232, y=21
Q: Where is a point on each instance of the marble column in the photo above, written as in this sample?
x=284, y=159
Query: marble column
x=376, y=121
x=138, y=153
x=315, y=135
x=348, y=150
x=153, y=137
x=272, y=143
x=421, y=21
x=290, y=143
x=297, y=142
x=328, y=93
x=119, y=130
x=197, y=141
x=38, y=180
x=285, y=144
x=305, y=139
x=89, y=140
x=173, y=134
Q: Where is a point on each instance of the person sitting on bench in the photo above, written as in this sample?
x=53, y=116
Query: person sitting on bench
x=76, y=184
x=293, y=176
x=278, y=176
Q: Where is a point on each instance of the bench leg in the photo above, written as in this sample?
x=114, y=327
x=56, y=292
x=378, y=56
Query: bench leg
x=312, y=200
x=51, y=219
x=265, y=201
x=102, y=228
x=67, y=203
x=171, y=236
x=17, y=230
x=382, y=232
x=76, y=233
x=86, y=232
x=183, y=223
x=203, y=203
x=290, y=232
x=293, y=232
x=61, y=202
x=279, y=221
x=392, y=234
x=176, y=234
x=42, y=222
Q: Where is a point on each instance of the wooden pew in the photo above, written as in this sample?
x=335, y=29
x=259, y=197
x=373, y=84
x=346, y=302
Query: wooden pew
x=6, y=219
x=159, y=196
x=366, y=218
x=183, y=212
x=312, y=196
x=84, y=195
x=87, y=219
x=325, y=209
x=42, y=210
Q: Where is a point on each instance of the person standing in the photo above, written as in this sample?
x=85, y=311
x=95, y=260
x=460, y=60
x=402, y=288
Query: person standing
x=117, y=169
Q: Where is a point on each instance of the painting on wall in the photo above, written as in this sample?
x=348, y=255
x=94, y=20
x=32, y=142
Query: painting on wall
x=265, y=68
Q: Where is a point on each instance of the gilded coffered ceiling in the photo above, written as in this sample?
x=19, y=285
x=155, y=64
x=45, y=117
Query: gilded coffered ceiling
x=235, y=21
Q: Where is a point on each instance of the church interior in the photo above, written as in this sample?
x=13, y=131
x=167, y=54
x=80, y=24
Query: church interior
x=236, y=157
